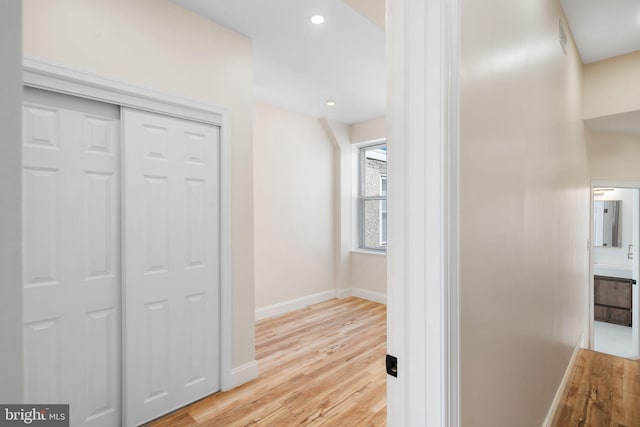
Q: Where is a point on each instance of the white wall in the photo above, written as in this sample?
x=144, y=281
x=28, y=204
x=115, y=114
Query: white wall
x=157, y=44
x=614, y=255
x=524, y=209
x=368, y=270
x=294, y=206
x=11, y=201
x=338, y=134
x=369, y=130
x=612, y=86
x=282, y=254
x=613, y=157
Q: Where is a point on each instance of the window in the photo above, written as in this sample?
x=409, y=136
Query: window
x=383, y=210
x=372, y=197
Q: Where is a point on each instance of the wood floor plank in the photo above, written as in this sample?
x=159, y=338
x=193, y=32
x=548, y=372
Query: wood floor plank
x=603, y=391
x=631, y=380
x=176, y=420
x=319, y=366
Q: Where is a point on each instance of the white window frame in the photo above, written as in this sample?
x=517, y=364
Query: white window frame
x=383, y=212
x=362, y=199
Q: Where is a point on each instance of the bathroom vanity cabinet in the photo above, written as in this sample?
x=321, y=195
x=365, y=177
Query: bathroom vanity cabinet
x=612, y=299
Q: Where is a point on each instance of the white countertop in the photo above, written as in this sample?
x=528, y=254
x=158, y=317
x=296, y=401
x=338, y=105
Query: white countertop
x=612, y=270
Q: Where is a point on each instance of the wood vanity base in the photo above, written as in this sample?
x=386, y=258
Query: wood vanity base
x=612, y=300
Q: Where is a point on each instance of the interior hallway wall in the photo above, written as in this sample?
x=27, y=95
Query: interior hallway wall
x=524, y=209
x=161, y=46
x=294, y=206
x=11, y=201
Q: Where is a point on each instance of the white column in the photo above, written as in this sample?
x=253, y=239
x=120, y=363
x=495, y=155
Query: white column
x=422, y=56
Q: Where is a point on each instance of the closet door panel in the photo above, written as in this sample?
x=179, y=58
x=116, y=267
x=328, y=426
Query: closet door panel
x=72, y=274
x=171, y=196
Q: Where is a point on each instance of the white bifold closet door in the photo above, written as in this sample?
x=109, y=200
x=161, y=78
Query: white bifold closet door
x=171, y=268
x=72, y=278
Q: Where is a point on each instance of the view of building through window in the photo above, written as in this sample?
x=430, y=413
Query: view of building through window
x=373, y=197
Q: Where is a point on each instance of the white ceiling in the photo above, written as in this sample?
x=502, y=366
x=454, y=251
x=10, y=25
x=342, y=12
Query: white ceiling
x=298, y=65
x=604, y=28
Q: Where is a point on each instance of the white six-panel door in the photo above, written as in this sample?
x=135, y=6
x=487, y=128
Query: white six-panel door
x=72, y=276
x=171, y=267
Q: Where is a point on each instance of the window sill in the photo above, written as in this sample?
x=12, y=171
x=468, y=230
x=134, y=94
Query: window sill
x=364, y=251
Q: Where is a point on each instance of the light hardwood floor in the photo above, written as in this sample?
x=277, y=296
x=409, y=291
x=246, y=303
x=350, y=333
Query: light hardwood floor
x=322, y=365
x=604, y=391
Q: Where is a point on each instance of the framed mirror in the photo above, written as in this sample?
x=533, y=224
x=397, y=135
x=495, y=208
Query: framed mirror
x=606, y=223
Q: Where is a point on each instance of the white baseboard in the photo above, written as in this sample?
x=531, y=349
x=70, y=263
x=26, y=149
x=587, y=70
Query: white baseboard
x=302, y=302
x=244, y=373
x=344, y=293
x=374, y=296
x=563, y=384
x=294, y=304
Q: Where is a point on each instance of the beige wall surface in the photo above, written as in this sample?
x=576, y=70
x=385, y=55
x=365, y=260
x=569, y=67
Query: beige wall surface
x=612, y=86
x=369, y=272
x=374, y=10
x=613, y=157
x=338, y=134
x=524, y=209
x=294, y=206
x=158, y=45
x=11, y=202
x=370, y=130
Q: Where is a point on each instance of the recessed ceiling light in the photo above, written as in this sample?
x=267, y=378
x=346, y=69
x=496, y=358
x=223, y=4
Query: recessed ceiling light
x=317, y=19
x=331, y=103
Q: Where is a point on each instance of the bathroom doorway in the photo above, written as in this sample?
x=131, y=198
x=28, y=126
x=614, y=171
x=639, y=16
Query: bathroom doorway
x=615, y=269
